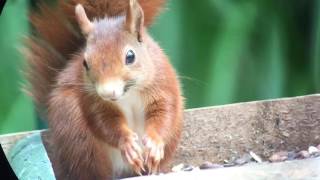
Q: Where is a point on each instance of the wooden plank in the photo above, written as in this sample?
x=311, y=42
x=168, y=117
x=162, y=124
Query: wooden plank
x=293, y=170
x=264, y=127
x=221, y=132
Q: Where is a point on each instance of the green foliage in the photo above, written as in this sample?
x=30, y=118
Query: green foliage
x=16, y=110
x=225, y=51
x=231, y=51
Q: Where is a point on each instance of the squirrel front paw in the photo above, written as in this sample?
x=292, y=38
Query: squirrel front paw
x=132, y=153
x=153, y=154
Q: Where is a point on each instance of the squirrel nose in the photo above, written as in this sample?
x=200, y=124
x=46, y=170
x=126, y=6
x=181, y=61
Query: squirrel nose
x=111, y=90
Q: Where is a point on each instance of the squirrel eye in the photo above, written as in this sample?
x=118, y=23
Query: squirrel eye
x=130, y=57
x=85, y=64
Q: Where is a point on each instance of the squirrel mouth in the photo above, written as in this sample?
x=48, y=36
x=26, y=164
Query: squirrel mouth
x=112, y=90
x=113, y=99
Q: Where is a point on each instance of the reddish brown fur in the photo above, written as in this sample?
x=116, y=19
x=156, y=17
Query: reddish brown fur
x=61, y=37
x=80, y=122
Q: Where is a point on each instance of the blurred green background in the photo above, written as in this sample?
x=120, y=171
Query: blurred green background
x=225, y=51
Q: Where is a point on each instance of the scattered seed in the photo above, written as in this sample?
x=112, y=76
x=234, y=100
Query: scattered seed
x=313, y=150
x=286, y=134
x=177, y=168
x=187, y=168
x=231, y=160
x=279, y=156
x=255, y=157
x=304, y=154
x=209, y=165
x=315, y=155
x=229, y=165
x=292, y=155
x=243, y=160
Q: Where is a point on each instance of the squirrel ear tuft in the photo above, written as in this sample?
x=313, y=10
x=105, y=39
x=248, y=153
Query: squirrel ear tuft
x=134, y=19
x=85, y=24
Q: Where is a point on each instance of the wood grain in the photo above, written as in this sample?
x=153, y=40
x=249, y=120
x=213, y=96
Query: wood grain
x=219, y=133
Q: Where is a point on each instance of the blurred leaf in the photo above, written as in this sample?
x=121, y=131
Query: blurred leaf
x=15, y=109
x=316, y=47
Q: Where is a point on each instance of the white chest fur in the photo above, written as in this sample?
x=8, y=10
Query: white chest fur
x=133, y=108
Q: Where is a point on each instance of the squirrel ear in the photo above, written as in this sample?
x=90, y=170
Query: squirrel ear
x=85, y=25
x=134, y=19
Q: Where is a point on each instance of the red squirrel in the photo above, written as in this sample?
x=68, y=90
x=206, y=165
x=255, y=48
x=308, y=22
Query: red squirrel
x=111, y=97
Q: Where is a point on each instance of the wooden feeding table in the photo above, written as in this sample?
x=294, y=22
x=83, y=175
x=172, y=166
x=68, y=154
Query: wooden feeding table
x=220, y=133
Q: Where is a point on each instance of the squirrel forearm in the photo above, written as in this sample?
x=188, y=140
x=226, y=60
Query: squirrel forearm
x=111, y=130
x=162, y=121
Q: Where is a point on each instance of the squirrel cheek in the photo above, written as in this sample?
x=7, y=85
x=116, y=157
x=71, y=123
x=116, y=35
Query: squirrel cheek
x=110, y=90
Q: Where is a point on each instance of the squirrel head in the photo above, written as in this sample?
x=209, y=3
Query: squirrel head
x=115, y=58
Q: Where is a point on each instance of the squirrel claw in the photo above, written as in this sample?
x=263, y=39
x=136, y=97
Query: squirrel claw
x=132, y=153
x=154, y=153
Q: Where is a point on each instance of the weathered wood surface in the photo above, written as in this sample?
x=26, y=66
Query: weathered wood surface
x=221, y=132
x=307, y=169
